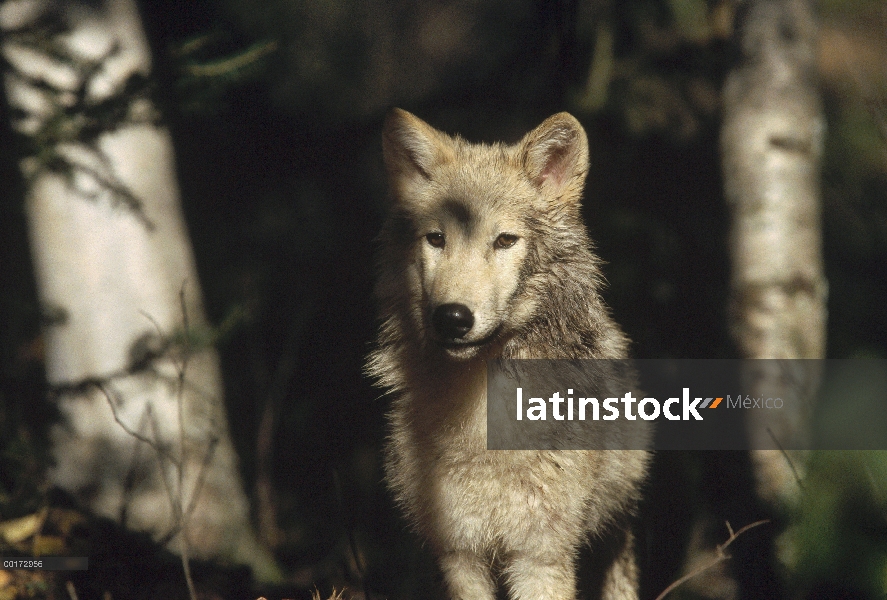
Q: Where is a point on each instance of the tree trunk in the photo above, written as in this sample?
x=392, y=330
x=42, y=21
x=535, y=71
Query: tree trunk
x=772, y=143
x=144, y=437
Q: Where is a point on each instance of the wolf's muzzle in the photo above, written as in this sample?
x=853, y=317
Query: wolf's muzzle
x=452, y=321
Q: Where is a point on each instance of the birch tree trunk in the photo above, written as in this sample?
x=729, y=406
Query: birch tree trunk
x=144, y=438
x=771, y=147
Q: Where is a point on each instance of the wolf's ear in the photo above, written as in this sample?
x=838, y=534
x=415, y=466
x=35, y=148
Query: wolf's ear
x=411, y=147
x=555, y=156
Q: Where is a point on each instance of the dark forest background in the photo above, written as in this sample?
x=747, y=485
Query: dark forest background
x=276, y=110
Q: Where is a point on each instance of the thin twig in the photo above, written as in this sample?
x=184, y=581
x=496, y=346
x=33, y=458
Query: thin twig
x=183, y=518
x=276, y=391
x=142, y=438
x=201, y=476
x=130, y=482
x=720, y=556
x=170, y=490
x=788, y=459
x=176, y=496
x=187, y=331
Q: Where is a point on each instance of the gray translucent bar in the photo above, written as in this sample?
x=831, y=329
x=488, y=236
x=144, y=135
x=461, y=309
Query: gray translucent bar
x=687, y=404
x=45, y=563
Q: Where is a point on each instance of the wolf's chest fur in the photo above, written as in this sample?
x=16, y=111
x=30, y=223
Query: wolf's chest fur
x=457, y=491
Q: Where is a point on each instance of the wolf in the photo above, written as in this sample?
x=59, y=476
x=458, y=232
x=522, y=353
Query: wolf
x=484, y=255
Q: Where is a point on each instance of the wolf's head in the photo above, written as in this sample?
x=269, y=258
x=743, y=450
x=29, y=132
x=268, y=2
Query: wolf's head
x=471, y=226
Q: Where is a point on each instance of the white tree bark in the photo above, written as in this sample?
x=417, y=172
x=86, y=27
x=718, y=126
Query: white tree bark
x=112, y=256
x=771, y=144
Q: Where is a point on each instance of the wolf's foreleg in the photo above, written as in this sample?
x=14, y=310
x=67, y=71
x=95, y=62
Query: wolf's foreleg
x=621, y=580
x=541, y=577
x=467, y=575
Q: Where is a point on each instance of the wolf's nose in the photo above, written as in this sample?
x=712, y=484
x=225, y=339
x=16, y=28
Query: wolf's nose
x=452, y=320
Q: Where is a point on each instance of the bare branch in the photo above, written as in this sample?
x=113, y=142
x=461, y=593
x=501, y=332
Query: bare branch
x=720, y=556
x=142, y=438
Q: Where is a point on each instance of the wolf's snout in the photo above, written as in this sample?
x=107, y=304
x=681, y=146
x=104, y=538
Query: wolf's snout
x=452, y=321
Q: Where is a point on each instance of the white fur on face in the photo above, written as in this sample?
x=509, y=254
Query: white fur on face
x=471, y=270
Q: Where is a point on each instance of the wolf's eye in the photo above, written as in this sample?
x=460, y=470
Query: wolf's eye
x=436, y=239
x=505, y=240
